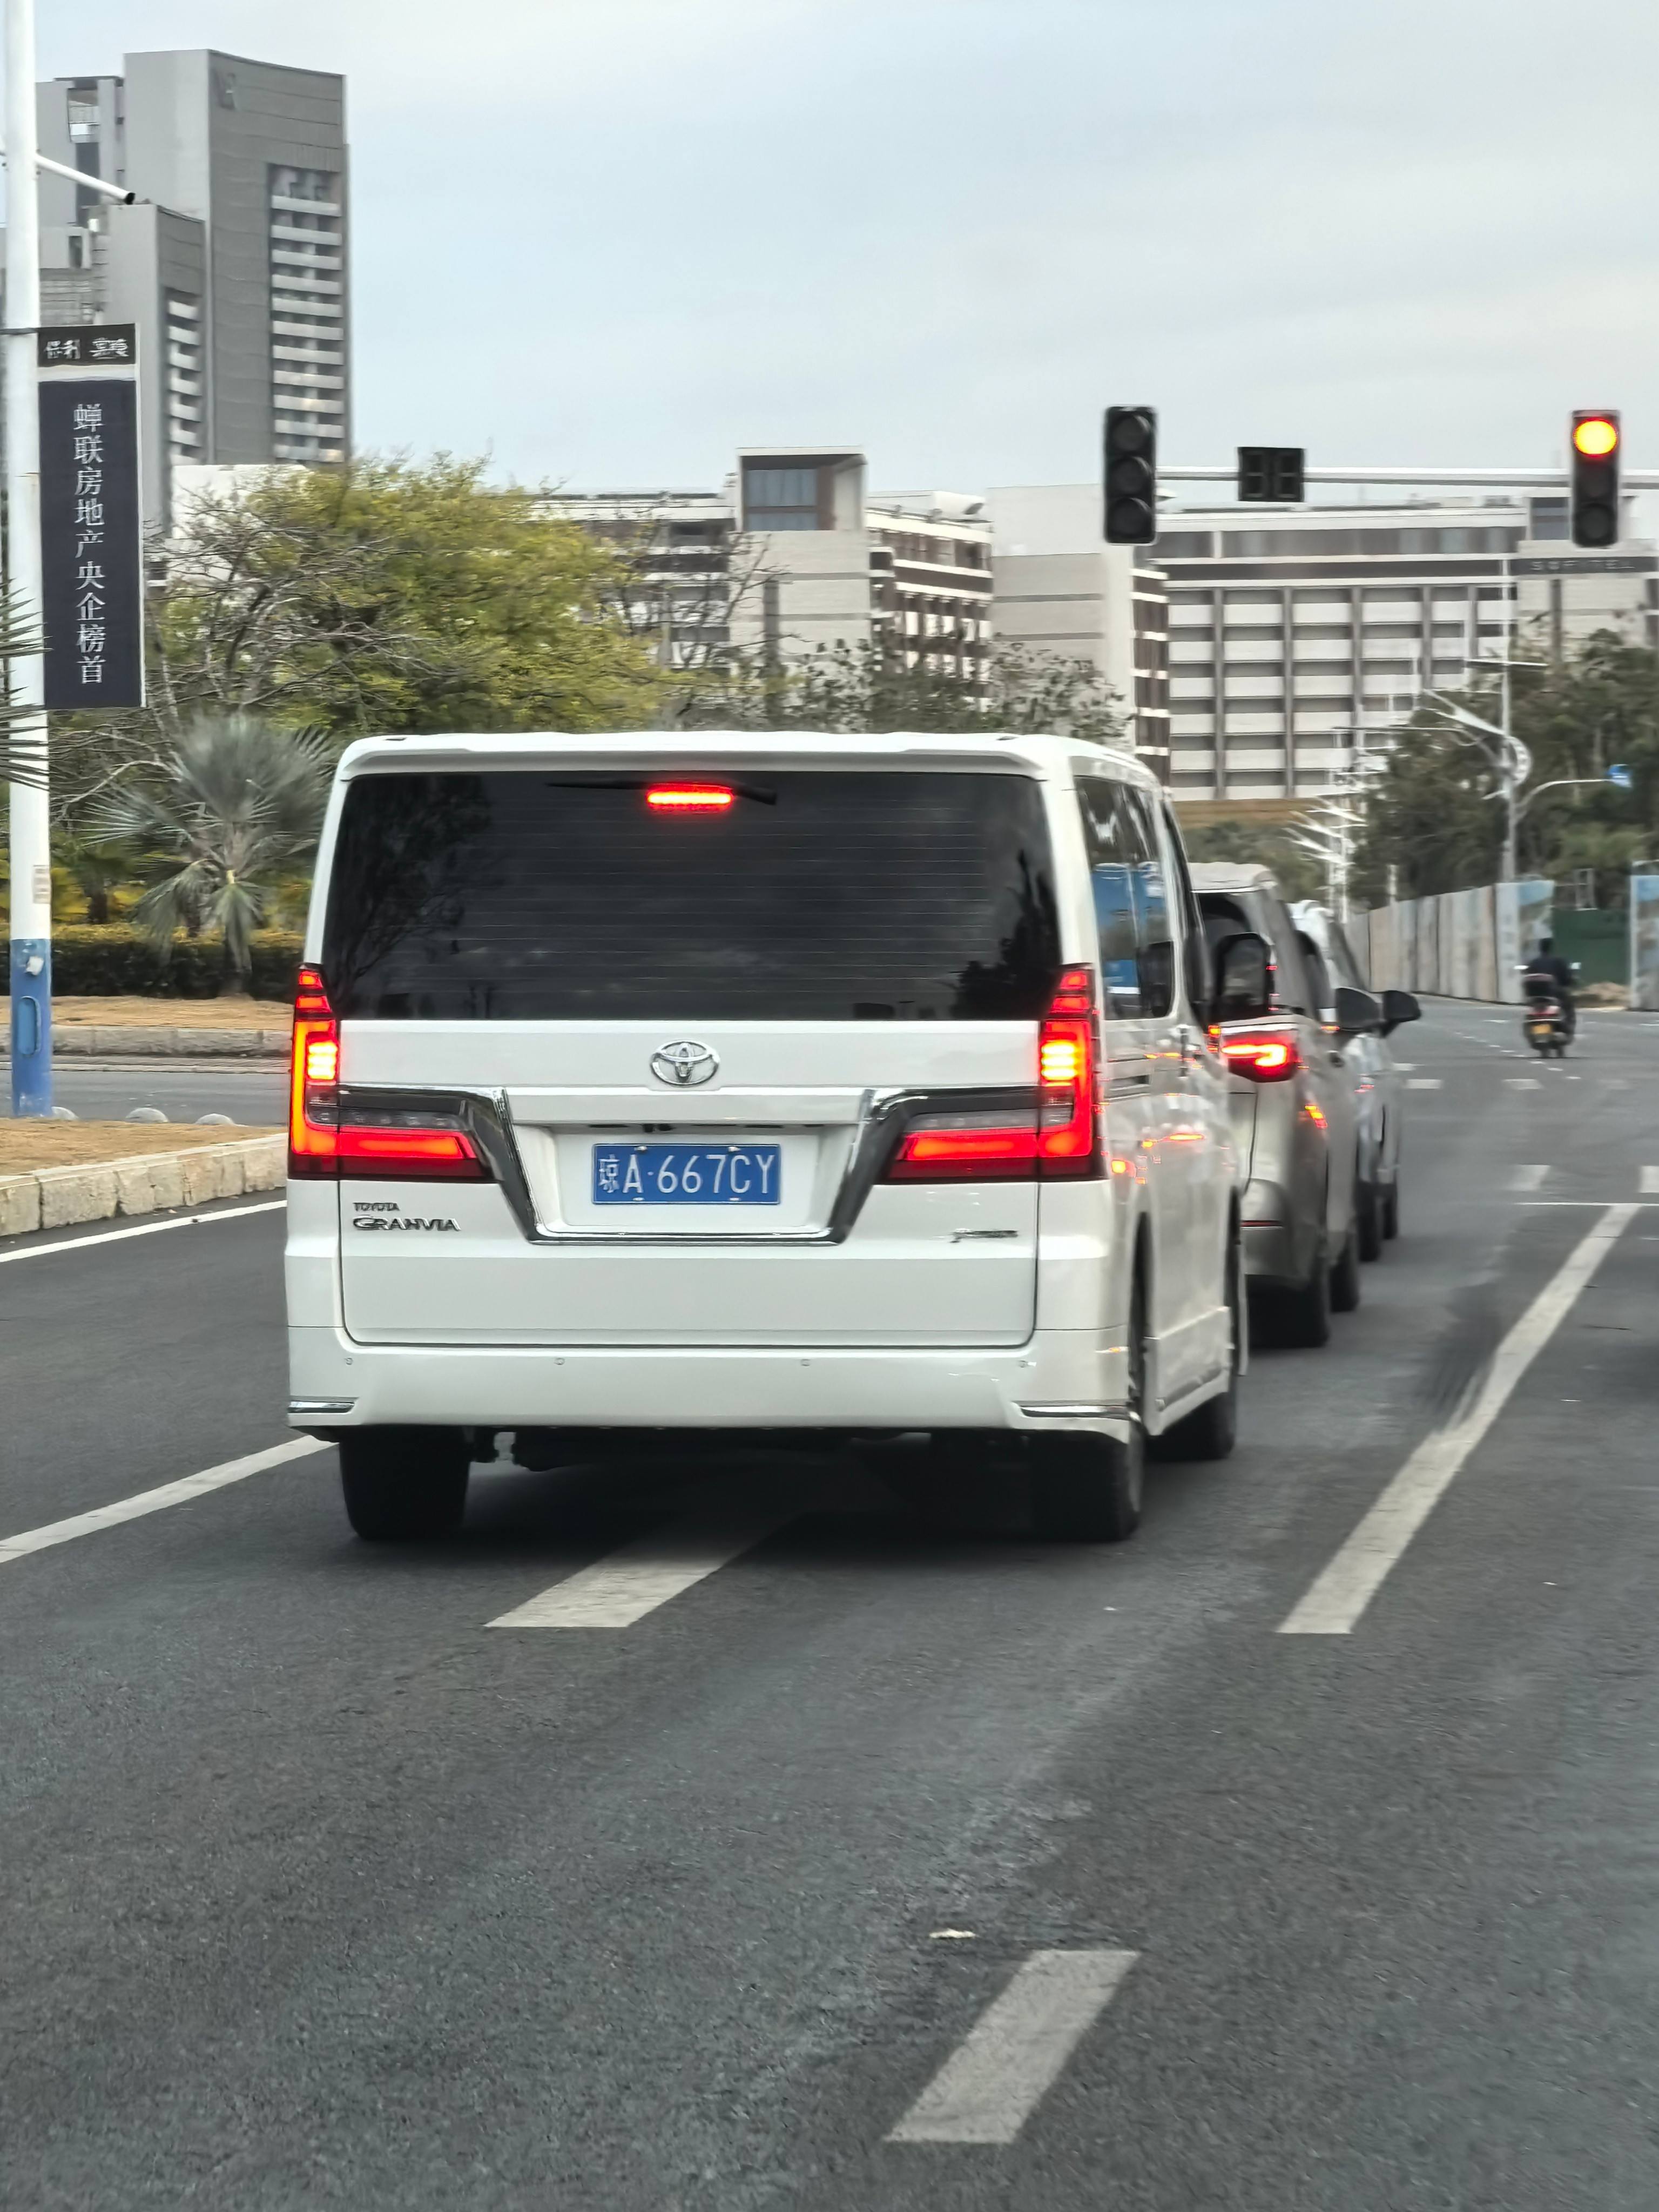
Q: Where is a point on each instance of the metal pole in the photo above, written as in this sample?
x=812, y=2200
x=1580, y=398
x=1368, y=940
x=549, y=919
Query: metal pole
x=31, y=839
x=1511, y=818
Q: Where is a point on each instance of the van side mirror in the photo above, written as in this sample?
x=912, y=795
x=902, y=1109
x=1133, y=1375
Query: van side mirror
x=1243, y=991
x=1399, y=1006
x=1356, y=1010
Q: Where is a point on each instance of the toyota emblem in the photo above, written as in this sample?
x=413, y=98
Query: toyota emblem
x=684, y=1063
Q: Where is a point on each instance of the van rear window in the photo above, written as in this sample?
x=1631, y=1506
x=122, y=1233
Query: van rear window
x=807, y=894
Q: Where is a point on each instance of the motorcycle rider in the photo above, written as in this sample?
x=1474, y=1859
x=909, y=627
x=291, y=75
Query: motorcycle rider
x=1548, y=974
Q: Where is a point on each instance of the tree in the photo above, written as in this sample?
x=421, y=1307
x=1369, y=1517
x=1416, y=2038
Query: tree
x=389, y=596
x=1434, y=814
x=872, y=687
x=236, y=803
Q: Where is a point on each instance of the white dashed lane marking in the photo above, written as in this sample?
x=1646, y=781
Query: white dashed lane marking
x=1348, y=1585
x=617, y=1591
x=1521, y=1082
x=1423, y=1083
x=154, y=1501
x=1650, y=1181
x=1528, y=1178
x=1015, y=2051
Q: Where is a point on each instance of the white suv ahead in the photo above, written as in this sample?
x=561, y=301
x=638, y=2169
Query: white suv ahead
x=761, y=1083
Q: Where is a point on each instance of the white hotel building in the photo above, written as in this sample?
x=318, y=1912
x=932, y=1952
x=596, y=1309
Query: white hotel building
x=1292, y=630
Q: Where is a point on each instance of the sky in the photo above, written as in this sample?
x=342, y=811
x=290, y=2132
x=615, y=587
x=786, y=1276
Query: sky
x=609, y=241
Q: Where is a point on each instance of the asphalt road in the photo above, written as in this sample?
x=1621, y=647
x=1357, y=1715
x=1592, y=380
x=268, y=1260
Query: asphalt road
x=319, y=1891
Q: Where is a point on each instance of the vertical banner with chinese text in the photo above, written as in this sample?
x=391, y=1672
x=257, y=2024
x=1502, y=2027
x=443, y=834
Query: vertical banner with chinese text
x=92, y=563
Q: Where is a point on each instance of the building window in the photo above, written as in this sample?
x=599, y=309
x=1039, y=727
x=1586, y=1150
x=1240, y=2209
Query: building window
x=308, y=315
x=184, y=379
x=780, y=499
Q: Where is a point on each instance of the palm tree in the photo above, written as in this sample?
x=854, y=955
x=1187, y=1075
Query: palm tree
x=238, y=802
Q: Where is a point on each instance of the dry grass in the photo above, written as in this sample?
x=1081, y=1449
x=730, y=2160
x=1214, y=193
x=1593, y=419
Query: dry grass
x=26, y=1145
x=174, y=1013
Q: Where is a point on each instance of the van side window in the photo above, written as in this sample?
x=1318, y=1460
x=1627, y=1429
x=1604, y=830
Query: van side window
x=1131, y=903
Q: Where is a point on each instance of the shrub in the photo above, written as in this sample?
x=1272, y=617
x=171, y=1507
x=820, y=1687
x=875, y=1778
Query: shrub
x=113, y=961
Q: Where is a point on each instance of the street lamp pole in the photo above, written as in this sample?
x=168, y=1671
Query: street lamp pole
x=31, y=839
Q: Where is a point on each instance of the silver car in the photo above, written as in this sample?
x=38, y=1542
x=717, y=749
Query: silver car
x=1294, y=1118
x=1378, y=1091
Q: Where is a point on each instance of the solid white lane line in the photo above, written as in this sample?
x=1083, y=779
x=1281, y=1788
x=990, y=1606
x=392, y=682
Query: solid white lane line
x=1348, y=1583
x=617, y=1591
x=1528, y=1178
x=1649, y=1181
x=1015, y=2051
x=1423, y=1083
x=154, y=1501
x=144, y=1229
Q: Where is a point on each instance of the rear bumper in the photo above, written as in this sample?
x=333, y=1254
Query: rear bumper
x=337, y=1384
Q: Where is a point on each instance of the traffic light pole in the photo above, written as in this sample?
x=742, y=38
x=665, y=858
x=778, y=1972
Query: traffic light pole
x=31, y=832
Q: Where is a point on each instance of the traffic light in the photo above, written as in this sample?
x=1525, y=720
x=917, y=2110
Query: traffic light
x=1272, y=475
x=1130, y=469
x=1596, y=446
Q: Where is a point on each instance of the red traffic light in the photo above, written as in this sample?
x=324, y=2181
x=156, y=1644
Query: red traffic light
x=1595, y=436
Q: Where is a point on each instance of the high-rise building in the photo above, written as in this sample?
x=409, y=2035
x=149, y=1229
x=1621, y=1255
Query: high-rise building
x=233, y=263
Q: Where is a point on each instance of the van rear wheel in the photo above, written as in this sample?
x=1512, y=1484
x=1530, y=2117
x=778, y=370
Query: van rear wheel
x=1087, y=1489
x=1212, y=1431
x=402, y=1485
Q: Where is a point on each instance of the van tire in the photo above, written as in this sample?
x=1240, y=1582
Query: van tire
x=1212, y=1431
x=404, y=1484
x=1087, y=1489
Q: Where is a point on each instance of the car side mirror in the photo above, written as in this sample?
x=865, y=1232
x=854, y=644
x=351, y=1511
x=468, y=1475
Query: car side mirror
x=1399, y=1006
x=1157, y=974
x=1243, y=990
x=1356, y=1010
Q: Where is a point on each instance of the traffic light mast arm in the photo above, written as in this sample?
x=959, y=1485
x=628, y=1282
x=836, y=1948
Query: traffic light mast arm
x=1516, y=479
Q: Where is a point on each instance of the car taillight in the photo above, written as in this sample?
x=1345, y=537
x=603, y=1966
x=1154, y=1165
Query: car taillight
x=313, y=1108
x=414, y=1147
x=1060, y=1138
x=1264, y=1055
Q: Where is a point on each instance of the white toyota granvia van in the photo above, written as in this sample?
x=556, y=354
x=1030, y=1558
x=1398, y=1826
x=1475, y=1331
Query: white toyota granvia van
x=761, y=1084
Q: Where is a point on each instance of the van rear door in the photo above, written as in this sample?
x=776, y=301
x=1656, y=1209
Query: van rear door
x=679, y=1002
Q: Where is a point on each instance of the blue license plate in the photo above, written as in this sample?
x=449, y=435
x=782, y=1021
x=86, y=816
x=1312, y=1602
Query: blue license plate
x=687, y=1174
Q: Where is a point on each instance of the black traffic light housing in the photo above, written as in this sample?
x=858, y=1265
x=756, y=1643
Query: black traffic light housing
x=1597, y=443
x=1130, y=473
x=1272, y=475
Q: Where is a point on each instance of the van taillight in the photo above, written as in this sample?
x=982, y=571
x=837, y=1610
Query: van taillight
x=1264, y=1055
x=1060, y=1139
x=412, y=1147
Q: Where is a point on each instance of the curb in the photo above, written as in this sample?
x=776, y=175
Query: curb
x=56, y=1198
x=78, y=1041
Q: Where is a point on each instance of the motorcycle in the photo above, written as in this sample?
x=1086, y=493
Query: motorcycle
x=1545, y=1021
